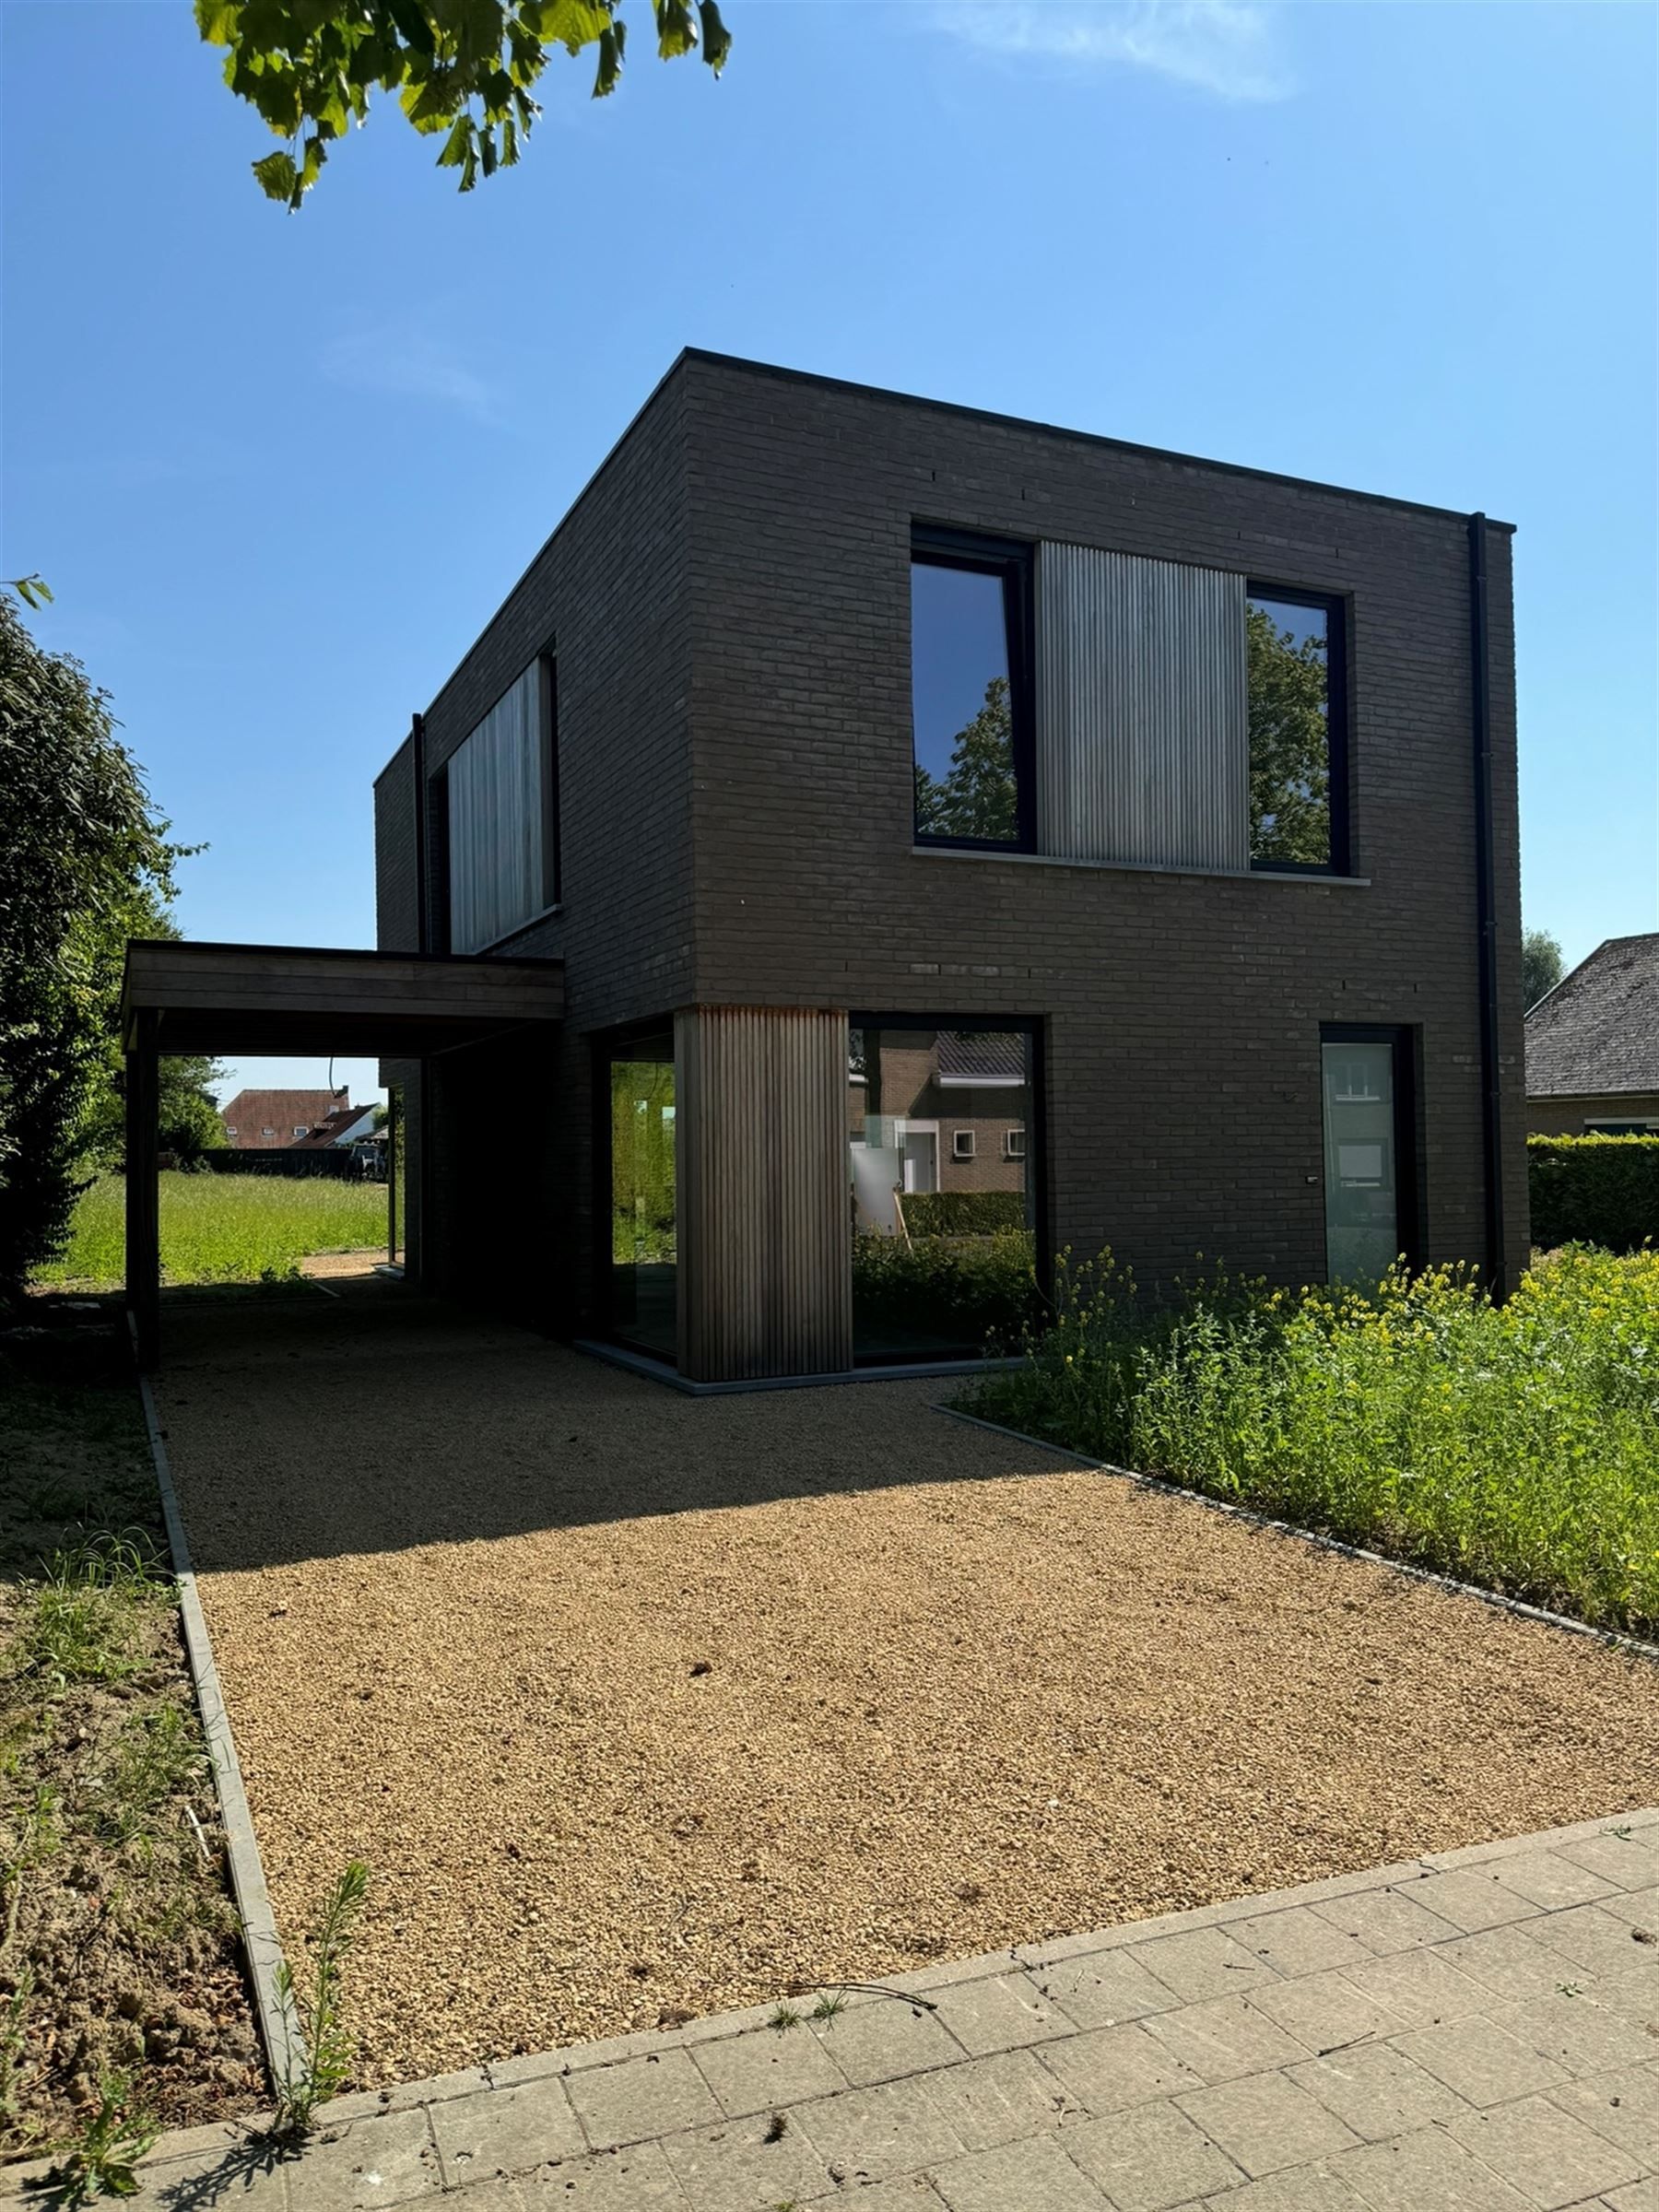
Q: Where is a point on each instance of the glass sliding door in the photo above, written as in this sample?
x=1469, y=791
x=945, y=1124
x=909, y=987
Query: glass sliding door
x=644, y=1230
x=1368, y=1147
x=941, y=1131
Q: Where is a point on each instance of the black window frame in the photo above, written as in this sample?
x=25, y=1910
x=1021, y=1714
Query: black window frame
x=1336, y=607
x=936, y=545
x=1410, y=1227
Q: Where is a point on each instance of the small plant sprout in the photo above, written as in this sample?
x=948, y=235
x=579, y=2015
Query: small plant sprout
x=1569, y=1989
x=785, y=2016
x=830, y=2005
x=326, y=2065
x=101, y=2160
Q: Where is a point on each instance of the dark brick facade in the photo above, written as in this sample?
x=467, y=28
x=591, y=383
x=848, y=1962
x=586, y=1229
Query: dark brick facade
x=729, y=600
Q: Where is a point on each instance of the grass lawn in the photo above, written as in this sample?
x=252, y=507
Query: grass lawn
x=223, y=1228
x=1516, y=1447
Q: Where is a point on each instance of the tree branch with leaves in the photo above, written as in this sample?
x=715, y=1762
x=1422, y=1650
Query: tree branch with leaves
x=463, y=68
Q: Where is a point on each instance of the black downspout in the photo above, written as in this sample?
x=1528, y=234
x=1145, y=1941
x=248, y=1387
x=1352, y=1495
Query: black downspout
x=1485, y=908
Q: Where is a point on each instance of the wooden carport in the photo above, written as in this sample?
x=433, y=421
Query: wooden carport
x=301, y=1001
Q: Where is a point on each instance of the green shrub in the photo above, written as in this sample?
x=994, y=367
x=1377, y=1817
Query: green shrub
x=963, y=1213
x=1514, y=1446
x=1594, y=1189
x=970, y=1290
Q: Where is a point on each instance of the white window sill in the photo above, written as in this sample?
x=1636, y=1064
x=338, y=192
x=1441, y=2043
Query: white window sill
x=1136, y=867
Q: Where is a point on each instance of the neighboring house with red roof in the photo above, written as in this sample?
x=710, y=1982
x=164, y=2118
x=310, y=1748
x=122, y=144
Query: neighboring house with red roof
x=266, y=1120
x=1593, y=1045
x=343, y=1126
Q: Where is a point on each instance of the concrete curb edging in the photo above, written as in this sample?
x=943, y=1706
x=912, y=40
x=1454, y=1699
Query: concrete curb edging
x=1632, y=1646
x=278, y=2026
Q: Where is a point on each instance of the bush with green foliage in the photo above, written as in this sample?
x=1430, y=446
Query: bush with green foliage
x=1594, y=1189
x=963, y=1213
x=84, y=864
x=1515, y=1446
x=980, y=1292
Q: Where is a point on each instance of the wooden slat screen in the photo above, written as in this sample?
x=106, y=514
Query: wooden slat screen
x=497, y=870
x=765, y=1236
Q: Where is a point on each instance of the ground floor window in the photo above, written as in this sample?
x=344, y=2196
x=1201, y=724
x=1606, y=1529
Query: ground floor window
x=941, y=1141
x=1370, y=1152
x=644, y=1240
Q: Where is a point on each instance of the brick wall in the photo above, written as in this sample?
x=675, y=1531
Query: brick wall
x=1181, y=1012
x=1566, y=1117
x=607, y=593
x=729, y=603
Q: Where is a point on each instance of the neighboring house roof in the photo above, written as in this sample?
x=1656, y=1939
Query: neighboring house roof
x=337, y=1128
x=1597, y=1033
x=250, y=1112
x=971, y=1057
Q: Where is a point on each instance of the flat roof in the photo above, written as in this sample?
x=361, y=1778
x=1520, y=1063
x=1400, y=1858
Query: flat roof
x=317, y=999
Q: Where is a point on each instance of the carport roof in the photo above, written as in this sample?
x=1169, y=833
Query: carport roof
x=311, y=1000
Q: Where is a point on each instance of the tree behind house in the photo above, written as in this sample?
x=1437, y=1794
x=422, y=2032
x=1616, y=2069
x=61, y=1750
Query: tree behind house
x=1541, y=965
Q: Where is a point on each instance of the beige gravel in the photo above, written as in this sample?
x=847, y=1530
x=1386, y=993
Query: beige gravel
x=642, y=1706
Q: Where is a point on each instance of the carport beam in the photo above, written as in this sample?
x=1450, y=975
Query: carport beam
x=143, y=1192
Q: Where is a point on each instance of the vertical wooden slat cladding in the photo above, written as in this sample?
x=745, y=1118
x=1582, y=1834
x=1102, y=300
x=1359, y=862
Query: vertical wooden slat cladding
x=496, y=808
x=1141, y=722
x=764, y=1228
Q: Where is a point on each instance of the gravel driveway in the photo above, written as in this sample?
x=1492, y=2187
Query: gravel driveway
x=642, y=1706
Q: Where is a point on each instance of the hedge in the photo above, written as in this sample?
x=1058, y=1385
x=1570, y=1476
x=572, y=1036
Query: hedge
x=963, y=1213
x=1594, y=1189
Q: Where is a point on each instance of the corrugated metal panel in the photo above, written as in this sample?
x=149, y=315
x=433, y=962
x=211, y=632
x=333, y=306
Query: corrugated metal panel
x=1142, y=726
x=496, y=873
x=765, y=1241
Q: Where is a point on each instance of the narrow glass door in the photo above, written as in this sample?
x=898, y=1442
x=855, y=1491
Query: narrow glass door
x=644, y=1240
x=1361, y=1159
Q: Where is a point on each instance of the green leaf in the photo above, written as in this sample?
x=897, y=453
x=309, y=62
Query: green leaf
x=608, y=74
x=572, y=24
x=216, y=20
x=411, y=19
x=277, y=177
x=676, y=33
x=717, y=38
x=457, y=147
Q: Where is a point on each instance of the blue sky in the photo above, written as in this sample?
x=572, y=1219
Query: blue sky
x=278, y=470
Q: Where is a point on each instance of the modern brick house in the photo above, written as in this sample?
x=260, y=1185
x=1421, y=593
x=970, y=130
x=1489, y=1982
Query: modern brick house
x=1593, y=1045
x=914, y=794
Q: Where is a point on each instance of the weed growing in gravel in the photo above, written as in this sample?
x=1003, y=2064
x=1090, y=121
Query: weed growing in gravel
x=325, y=2068
x=100, y=2160
x=1514, y=1446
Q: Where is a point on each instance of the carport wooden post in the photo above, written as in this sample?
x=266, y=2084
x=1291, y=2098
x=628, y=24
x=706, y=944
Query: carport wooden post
x=143, y=1193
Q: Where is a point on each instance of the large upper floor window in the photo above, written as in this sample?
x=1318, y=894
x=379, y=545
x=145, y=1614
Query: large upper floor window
x=970, y=689
x=1298, y=714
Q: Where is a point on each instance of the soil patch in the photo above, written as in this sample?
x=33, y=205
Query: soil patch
x=119, y=1955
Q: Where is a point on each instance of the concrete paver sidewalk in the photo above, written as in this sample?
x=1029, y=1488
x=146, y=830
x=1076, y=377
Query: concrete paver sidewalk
x=1474, y=2031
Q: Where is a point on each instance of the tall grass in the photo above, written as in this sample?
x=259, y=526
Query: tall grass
x=222, y=1229
x=1515, y=1446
